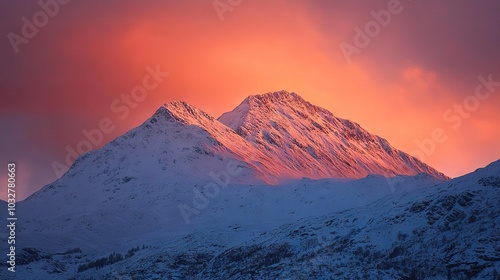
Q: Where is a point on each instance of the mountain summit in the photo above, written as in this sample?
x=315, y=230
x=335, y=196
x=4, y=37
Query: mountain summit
x=280, y=136
x=311, y=142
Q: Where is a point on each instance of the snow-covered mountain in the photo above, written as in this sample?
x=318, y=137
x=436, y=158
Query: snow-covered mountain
x=169, y=159
x=177, y=192
x=280, y=136
x=311, y=142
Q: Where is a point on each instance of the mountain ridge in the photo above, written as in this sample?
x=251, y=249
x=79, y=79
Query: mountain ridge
x=283, y=124
x=277, y=150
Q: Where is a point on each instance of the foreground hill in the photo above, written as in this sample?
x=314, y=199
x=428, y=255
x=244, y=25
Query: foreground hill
x=371, y=228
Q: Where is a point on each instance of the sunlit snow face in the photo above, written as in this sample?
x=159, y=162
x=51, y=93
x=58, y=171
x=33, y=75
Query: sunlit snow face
x=398, y=87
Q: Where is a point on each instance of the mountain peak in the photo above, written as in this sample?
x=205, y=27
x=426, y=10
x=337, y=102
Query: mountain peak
x=260, y=105
x=310, y=139
x=275, y=97
x=183, y=112
x=280, y=98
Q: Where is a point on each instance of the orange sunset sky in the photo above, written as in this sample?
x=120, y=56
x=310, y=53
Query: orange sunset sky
x=417, y=73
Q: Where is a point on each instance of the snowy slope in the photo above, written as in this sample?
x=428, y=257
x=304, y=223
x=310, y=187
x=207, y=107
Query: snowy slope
x=264, y=165
x=313, y=143
x=238, y=214
x=150, y=169
x=328, y=229
x=449, y=231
